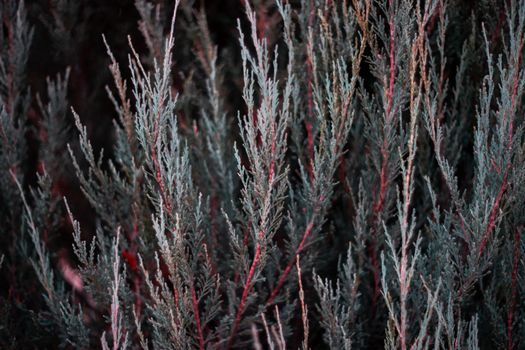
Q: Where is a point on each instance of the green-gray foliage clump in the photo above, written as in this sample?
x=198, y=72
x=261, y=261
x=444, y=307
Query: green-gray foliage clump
x=320, y=174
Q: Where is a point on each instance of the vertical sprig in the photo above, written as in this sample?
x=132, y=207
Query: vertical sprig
x=119, y=336
x=156, y=127
x=263, y=133
x=390, y=72
x=512, y=86
x=404, y=265
x=334, y=108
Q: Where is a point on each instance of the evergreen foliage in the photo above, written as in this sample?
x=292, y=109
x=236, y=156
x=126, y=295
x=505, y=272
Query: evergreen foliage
x=319, y=174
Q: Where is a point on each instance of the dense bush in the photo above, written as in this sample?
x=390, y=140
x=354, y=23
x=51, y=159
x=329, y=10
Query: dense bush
x=340, y=174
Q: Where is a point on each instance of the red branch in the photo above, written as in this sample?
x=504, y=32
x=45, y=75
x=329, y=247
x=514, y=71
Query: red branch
x=245, y=292
x=390, y=97
x=196, y=314
x=154, y=157
x=497, y=202
x=288, y=268
x=494, y=212
x=513, y=95
x=309, y=94
x=512, y=304
x=160, y=181
x=466, y=235
x=176, y=297
x=271, y=168
x=379, y=205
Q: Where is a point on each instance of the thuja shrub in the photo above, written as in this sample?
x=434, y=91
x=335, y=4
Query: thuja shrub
x=320, y=174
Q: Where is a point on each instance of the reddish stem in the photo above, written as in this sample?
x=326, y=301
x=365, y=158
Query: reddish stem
x=160, y=181
x=494, y=212
x=384, y=149
x=154, y=157
x=288, y=268
x=196, y=313
x=245, y=292
x=271, y=168
x=497, y=202
x=403, y=288
x=465, y=234
x=309, y=94
x=513, y=95
x=512, y=304
x=379, y=205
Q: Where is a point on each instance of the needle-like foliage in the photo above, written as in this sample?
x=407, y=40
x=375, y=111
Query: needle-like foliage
x=321, y=174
